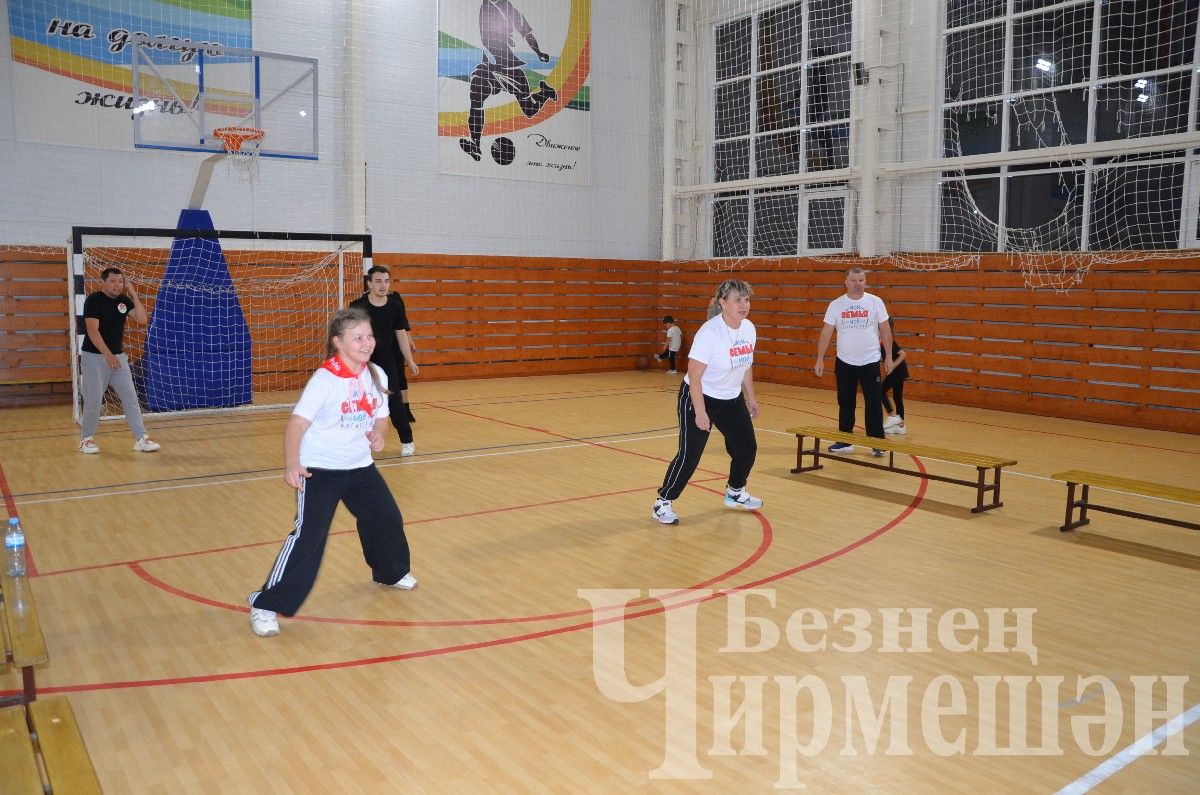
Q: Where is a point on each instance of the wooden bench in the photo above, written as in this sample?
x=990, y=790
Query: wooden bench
x=982, y=463
x=24, y=646
x=1145, y=488
x=38, y=737
x=42, y=736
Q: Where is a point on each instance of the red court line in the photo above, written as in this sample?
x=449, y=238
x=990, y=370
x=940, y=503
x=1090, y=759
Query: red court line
x=492, y=643
x=276, y=541
x=763, y=546
x=495, y=642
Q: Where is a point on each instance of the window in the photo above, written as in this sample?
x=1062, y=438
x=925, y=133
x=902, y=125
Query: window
x=781, y=106
x=1034, y=74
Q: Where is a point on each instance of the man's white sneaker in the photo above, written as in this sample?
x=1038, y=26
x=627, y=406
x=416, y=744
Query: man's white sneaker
x=263, y=622
x=146, y=444
x=406, y=583
x=89, y=446
x=662, y=512
x=895, y=419
x=898, y=430
x=742, y=499
x=407, y=449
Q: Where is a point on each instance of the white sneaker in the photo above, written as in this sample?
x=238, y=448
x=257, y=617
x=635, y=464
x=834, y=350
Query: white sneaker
x=742, y=499
x=672, y=372
x=263, y=622
x=407, y=449
x=891, y=421
x=88, y=446
x=146, y=444
x=405, y=583
x=898, y=430
x=663, y=513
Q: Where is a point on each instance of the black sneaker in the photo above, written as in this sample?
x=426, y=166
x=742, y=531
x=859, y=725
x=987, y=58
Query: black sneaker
x=841, y=447
x=877, y=453
x=471, y=148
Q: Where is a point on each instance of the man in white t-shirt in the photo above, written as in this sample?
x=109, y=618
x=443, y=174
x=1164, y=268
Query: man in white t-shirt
x=860, y=320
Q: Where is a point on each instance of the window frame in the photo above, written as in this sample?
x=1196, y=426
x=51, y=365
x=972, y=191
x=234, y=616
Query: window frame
x=1093, y=84
x=757, y=137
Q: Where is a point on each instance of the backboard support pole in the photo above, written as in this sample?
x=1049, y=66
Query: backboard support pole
x=203, y=177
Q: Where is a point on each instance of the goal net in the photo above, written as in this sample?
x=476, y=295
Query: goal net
x=1058, y=136
x=237, y=318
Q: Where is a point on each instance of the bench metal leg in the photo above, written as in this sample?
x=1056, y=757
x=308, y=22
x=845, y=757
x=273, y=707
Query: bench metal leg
x=800, y=452
x=982, y=487
x=27, y=679
x=1072, y=504
x=28, y=692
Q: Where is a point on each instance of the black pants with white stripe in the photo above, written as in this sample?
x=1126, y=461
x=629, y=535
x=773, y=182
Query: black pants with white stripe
x=732, y=419
x=380, y=531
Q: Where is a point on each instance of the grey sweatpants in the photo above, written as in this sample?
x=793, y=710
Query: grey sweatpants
x=97, y=377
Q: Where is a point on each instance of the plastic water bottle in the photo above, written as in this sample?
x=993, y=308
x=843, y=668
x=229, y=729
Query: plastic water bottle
x=14, y=548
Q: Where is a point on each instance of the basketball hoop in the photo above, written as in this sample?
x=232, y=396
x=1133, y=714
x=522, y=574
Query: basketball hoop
x=241, y=145
x=234, y=137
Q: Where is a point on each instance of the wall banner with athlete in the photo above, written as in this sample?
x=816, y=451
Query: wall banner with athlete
x=513, y=99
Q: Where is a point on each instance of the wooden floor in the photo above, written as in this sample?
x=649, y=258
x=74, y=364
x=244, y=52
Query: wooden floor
x=489, y=676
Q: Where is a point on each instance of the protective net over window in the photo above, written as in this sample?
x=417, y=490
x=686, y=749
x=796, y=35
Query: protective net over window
x=237, y=319
x=1060, y=136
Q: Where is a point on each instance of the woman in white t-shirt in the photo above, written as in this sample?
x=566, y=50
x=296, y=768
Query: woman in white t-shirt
x=717, y=390
x=339, y=421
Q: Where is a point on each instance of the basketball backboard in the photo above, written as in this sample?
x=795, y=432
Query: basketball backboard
x=185, y=90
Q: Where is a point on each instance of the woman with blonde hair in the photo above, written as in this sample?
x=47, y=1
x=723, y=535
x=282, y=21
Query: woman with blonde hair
x=718, y=390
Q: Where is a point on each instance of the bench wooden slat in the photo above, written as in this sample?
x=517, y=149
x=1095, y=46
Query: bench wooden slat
x=18, y=765
x=1143, y=487
x=982, y=463
x=905, y=448
x=20, y=616
x=68, y=765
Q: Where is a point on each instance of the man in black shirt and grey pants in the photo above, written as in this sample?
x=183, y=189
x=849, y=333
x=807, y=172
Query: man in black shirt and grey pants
x=102, y=362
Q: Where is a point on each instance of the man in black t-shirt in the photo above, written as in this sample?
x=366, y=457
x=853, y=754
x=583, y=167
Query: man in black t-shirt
x=102, y=362
x=393, y=349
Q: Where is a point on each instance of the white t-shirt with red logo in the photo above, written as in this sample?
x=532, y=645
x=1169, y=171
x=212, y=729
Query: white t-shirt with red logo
x=342, y=408
x=728, y=353
x=857, y=322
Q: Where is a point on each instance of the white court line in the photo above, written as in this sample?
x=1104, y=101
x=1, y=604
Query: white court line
x=1018, y=473
x=1131, y=753
x=410, y=462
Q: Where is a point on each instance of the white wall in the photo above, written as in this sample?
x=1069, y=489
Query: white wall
x=409, y=205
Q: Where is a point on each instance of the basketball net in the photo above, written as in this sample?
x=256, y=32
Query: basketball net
x=241, y=149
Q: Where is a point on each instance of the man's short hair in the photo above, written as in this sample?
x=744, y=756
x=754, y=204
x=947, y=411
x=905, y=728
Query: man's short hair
x=377, y=269
x=855, y=270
